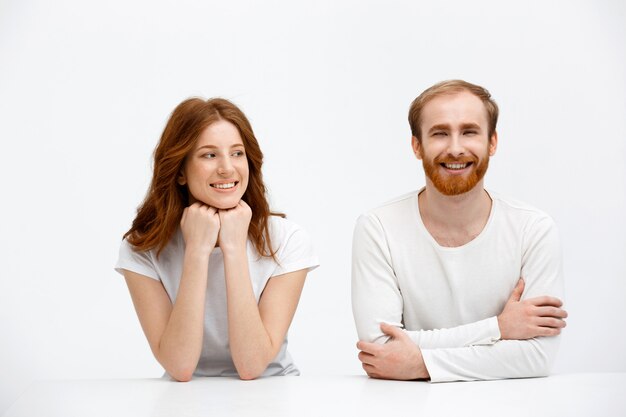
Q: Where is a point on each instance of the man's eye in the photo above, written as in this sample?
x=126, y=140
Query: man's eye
x=439, y=134
x=470, y=132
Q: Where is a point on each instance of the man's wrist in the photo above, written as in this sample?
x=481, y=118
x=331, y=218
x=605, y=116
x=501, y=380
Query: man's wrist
x=422, y=371
x=496, y=328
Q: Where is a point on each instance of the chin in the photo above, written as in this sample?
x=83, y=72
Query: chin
x=220, y=202
x=224, y=204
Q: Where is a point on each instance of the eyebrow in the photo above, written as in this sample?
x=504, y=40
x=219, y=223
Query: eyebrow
x=470, y=126
x=444, y=126
x=237, y=145
x=441, y=126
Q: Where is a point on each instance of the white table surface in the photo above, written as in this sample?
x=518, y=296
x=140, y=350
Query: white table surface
x=592, y=395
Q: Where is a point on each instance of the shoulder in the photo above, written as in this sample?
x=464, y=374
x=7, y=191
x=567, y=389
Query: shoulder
x=521, y=214
x=389, y=221
x=293, y=246
x=389, y=212
x=132, y=259
x=398, y=204
x=281, y=228
x=394, y=207
x=147, y=262
x=287, y=235
x=127, y=249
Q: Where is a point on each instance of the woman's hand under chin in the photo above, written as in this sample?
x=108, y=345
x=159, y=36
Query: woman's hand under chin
x=234, y=225
x=200, y=225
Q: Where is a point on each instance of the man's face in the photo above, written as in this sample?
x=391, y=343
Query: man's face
x=455, y=146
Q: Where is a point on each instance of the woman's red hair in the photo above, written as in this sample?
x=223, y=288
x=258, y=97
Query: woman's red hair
x=159, y=215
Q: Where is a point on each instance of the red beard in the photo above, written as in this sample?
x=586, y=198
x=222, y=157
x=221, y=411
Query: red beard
x=455, y=184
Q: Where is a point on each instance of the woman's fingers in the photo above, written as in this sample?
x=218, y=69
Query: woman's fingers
x=200, y=225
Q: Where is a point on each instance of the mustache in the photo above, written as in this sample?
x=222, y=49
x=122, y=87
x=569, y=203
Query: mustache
x=455, y=160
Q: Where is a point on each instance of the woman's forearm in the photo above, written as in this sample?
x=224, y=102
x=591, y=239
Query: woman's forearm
x=181, y=343
x=250, y=345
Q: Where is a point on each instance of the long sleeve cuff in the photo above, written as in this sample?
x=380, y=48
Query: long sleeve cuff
x=483, y=332
x=504, y=359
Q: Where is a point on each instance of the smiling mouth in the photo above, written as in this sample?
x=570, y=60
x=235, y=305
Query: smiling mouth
x=456, y=165
x=225, y=186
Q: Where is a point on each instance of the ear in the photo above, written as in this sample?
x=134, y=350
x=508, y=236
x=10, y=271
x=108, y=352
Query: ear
x=417, y=146
x=181, y=180
x=493, y=144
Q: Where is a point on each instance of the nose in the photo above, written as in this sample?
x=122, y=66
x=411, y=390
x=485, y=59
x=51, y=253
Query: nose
x=225, y=167
x=455, y=146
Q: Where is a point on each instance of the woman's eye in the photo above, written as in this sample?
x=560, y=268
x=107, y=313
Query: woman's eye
x=209, y=155
x=238, y=153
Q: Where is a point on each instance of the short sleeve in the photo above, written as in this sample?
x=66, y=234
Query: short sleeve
x=135, y=261
x=295, y=249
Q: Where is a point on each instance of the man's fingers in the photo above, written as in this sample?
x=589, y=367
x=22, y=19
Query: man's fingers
x=548, y=331
x=370, y=370
x=392, y=331
x=551, y=322
x=516, y=295
x=366, y=358
x=545, y=300
x=371, y=348
x=551, y=312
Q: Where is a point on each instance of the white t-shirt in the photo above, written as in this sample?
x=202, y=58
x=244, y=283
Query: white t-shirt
x=447, y=298
x=295, y=252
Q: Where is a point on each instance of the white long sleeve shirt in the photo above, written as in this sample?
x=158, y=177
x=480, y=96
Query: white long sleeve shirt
x=447, y=299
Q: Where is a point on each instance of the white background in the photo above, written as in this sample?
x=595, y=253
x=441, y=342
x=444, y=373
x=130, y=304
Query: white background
x=86, y=88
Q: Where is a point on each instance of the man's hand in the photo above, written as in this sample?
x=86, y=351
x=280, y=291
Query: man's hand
x=539, y=316
x=399, y=358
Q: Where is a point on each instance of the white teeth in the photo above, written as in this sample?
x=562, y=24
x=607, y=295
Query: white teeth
x=456, y=166
x=223, y=186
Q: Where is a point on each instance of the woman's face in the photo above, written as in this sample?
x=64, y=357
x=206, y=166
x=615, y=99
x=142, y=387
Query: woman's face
x=216, y=170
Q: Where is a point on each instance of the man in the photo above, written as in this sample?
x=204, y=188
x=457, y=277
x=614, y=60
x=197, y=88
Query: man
x=452, y=282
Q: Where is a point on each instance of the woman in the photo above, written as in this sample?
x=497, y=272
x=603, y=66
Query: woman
x=215, y=277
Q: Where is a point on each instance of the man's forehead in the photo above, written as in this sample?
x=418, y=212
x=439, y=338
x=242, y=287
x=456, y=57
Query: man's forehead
x=461, y=107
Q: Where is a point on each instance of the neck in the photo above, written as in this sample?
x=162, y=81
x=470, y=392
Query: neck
x=459, y=212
